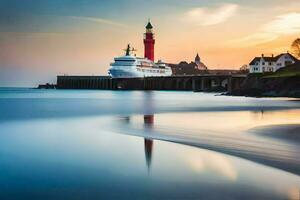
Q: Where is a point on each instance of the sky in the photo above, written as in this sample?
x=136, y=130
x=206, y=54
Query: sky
x=40, y=39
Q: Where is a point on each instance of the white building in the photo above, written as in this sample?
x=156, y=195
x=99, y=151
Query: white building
x=271, y=64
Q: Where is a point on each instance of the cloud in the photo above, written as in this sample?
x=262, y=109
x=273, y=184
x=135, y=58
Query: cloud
x=204, y=16
x=97, y=20
x=284, y=24
x=287, y=24
x=208, y=161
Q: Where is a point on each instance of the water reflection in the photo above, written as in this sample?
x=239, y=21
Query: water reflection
x=148, y=105
x=148, y=152
x=92, y=163
x=36, y=161
x=125, y=120
x=148, y=143
x=210, y=162
x=237, y=133
x=148, y=123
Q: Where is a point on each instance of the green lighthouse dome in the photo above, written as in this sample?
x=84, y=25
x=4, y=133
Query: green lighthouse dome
x=149, y=25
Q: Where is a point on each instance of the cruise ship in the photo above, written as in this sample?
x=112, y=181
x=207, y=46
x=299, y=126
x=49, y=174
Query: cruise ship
x=130, y=66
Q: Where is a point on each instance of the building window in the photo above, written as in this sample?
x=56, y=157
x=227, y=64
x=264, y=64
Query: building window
x=263, y=63
x=263, y=69
x=270, y=63
x=288, y=63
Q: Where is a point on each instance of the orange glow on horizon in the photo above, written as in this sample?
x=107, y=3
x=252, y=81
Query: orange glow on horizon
x=226, y=36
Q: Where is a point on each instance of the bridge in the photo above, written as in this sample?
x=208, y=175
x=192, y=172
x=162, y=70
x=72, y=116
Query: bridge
x=208, y=82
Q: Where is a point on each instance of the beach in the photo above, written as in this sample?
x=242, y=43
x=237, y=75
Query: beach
x=83, y=144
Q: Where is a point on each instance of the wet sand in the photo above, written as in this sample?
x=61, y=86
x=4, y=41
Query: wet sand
x=289, y=133
x=274, y=145
x=82, y=144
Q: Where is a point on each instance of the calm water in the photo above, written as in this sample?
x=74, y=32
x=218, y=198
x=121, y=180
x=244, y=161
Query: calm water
x=145, y=145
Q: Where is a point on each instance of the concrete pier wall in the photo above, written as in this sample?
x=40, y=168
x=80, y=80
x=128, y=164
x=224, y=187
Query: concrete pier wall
x=188, y=83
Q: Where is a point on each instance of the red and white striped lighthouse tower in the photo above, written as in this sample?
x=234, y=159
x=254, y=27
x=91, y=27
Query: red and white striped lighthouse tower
x=149, y=42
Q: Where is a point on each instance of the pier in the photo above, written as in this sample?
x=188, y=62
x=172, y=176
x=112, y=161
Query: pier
x=204, y=83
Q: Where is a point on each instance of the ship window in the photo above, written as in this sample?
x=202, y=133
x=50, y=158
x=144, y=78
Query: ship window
x=125, y=60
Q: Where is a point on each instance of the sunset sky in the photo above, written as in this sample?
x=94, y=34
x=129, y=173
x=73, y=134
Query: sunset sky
x=42, y=38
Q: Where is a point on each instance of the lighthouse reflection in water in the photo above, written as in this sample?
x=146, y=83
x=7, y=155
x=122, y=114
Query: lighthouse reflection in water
x=147, y=126
x=148, y=143
x=148, y=123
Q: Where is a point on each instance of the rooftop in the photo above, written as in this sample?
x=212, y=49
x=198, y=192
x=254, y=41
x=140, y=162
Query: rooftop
x=271, y=58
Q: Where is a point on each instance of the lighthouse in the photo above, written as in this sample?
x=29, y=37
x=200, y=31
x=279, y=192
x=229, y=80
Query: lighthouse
x=149, y=42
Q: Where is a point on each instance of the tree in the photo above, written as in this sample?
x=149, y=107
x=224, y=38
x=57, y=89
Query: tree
x=296, y=48
x=244, y=69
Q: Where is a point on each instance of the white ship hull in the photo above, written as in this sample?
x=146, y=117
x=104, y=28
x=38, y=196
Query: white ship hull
x=133, y=72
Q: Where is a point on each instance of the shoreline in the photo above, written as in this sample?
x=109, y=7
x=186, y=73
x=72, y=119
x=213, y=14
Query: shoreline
x=261, y=94
x=281, y=158
x=285, y=132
